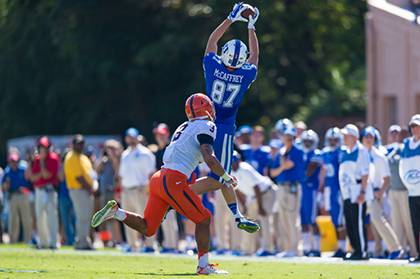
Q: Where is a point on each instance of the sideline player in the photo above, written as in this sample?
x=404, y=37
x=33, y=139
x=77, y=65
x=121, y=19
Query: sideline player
x=308, y=210
x=191, y=144
x=331, y=186
x=228, y=77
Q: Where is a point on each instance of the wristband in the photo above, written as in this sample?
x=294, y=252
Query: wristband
x=226, y=176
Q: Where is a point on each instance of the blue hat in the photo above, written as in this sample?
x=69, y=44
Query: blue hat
x=369, y=131
x=245, y=129
x=132, y=132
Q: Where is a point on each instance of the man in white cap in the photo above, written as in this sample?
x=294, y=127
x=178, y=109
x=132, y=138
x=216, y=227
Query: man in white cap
x=136, y=167
x=398, y=194
x=353, y=178
x=410, y=175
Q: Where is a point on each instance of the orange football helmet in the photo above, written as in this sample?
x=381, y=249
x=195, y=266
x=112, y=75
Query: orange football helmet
x=199, y=106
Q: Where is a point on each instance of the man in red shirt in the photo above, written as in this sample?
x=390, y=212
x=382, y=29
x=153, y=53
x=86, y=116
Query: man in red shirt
x=43, y=173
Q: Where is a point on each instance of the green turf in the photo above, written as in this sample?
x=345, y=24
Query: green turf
x=26, y=263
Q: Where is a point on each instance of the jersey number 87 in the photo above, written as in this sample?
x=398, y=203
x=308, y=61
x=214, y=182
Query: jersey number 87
x=218, y=91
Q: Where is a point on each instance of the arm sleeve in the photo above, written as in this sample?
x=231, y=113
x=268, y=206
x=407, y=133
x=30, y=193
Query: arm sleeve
x=207, y=60
x=385, y=167
x=204, y=139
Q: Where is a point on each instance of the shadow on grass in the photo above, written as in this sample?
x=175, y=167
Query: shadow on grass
x=165, y=274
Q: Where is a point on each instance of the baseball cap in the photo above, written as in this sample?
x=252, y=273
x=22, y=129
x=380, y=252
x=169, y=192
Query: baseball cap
x=245, y=129
x=14, y=157
x=275, y=143
x=44, y=142
x=351, y=130
x=415, y=120
x=161, y=129
x=301, y=125
x=369, y=131
x=394, y=128
x=132, y=132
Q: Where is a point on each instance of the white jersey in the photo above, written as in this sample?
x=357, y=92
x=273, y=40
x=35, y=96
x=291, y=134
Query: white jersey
x=183, y=153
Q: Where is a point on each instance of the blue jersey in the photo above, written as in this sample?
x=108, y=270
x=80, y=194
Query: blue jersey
x=226, y=88
x=331, y=163
x=313, y=156
x=258, y=158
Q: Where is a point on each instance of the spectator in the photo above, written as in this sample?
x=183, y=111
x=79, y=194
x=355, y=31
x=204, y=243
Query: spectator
x=379, y=178
x=18, y=189
x=169, y=225
x=287, y=169
x=398, y=195
x=66, y=209
x=77, y=171
x=410, y=175
x=260, y=201
x=256, y=154
x=137, y=165
x=43, y=173
x=353, y=177
x=107, y=170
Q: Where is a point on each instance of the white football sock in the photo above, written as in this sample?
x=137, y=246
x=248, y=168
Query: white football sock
x=306, y=239
x=316, y=243
x=371, y=246
x=120, y=214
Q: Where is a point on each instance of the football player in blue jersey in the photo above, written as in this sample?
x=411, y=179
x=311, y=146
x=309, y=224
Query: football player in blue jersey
x=228, y=76
x=308, y=211
x=330, y=182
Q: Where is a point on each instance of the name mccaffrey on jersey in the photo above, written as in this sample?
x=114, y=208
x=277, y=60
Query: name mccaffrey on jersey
x=228, y=77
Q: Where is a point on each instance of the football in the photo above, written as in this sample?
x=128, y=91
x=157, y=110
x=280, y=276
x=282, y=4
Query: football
x=249, y=11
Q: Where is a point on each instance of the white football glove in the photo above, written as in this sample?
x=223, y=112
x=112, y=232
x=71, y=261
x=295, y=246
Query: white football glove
x=232, y=182
x=253, y=19
x=235, y=14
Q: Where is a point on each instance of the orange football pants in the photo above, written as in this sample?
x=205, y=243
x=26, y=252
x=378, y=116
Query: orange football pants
x=170, y=188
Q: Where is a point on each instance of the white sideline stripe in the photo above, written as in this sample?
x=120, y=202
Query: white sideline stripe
x=297, y=260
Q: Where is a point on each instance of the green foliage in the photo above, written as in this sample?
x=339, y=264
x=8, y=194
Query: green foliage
x=98, y=66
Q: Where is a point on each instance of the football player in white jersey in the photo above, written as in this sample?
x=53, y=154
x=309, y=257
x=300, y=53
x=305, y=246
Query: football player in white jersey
x=190, y=145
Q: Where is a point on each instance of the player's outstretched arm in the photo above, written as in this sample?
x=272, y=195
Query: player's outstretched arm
x=216, y=35
x=254, y=50
x=214, y=164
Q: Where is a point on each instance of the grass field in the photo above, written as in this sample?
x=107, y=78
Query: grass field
x=28, y=263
